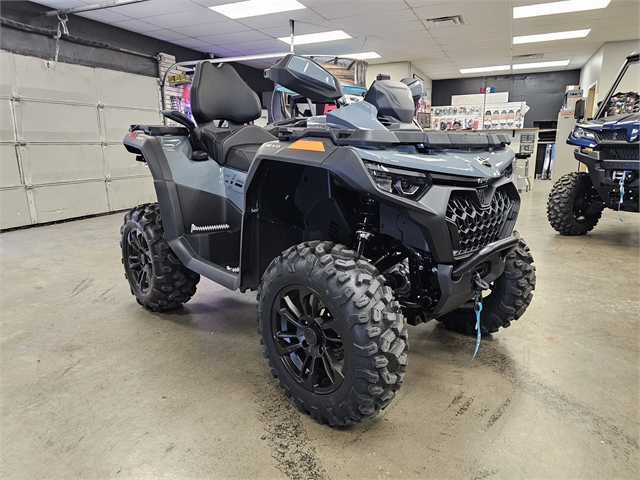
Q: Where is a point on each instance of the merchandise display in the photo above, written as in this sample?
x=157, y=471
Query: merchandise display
x=497, y=116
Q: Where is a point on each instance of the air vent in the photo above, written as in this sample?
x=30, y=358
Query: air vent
x=450, y=21
x=529, y=56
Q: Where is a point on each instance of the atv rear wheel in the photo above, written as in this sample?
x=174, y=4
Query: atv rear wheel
x=157, y=278
x=507, y=300
x=333, y=334
x=574, y=206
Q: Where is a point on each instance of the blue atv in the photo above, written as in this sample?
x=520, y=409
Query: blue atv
x=608, y=146
x=347, y=224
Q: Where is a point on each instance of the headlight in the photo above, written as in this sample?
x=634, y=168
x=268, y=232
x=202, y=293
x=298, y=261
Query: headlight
x=405, y=183
x=582, y=133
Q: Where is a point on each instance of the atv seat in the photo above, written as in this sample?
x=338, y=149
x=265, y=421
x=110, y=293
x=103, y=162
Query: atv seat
x=218, y=95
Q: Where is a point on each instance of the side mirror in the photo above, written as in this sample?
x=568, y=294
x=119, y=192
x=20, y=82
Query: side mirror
x=578, y=113
x=305, y=77
x=416, y=86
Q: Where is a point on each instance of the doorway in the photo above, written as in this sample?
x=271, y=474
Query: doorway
x=591, y=101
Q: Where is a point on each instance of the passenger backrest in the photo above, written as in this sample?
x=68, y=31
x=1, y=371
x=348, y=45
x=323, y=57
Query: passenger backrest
x=219, y=93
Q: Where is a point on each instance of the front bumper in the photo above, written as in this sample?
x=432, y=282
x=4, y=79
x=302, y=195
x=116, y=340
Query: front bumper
x=456, y=281
x=600, y=172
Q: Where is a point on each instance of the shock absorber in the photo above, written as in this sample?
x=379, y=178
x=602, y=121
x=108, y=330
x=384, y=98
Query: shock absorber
x=368, y=216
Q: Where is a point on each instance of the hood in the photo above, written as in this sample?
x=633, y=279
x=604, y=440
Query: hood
x=625, y=121
x=477, y=164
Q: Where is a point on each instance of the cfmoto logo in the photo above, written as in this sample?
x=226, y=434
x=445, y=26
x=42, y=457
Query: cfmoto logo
x=484, y=162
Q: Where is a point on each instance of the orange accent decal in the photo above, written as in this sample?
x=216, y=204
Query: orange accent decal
x=311, y=145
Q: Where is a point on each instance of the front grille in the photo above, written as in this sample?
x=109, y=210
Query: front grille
x=623, y=153
x=478, y=226
x=619, y=134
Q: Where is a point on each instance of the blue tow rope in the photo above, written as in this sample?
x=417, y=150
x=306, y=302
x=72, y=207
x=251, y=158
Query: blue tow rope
x=477, y=307
x=621, y=183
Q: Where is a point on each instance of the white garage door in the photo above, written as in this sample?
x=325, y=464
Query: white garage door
x=61, y=131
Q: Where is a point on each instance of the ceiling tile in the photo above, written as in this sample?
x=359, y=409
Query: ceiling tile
x=185, y=19
x=105, y=16
x=338, y=47
x=238, y=37
x=136, y=26
x=167, y=35
x=357, y=9
x=283, y=30
x=320, y=3
x=253, y=48
x=216, y=28
x=155, y=7
x=191, y=43
x=370, y=24
x=412, y=30
x=489, y=39
x=60, y=4
x=273, y=45
x=266, y=21
x=282, y=19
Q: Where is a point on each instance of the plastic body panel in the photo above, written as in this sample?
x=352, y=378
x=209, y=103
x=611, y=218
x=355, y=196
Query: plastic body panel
x=286, y=188
x=172, y=192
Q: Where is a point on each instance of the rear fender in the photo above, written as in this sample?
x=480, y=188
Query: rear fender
x=160, y=160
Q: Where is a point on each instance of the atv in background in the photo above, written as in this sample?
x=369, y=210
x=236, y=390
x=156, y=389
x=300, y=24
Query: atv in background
x=346, y=224
x=609, y=147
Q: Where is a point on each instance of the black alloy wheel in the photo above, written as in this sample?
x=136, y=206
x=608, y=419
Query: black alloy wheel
x=137, y=259
x=308, y=340
x=157, y=277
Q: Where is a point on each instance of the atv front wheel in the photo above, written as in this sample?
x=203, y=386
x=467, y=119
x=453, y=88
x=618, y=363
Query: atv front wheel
x=157, y=278
x=574, y=206
x=333, y=334
x=508, y=298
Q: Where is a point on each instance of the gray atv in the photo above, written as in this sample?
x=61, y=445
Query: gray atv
x=347, y=225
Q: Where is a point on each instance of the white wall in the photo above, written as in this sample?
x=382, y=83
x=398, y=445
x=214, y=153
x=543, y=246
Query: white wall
x=602, y=68
x=590, y=73
x=397, y=71
x=427, y=80
x=614, y=55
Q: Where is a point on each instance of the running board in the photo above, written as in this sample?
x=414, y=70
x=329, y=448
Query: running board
x=226, y=278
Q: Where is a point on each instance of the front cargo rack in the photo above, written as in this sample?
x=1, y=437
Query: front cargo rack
x=435, y=140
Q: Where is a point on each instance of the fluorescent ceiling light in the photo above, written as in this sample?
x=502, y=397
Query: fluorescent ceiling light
x=568, y=6
x=361, y=56
x=547, y=37
x=558, y=63
x=253, y=8
x=316, y=37
x=485, y=69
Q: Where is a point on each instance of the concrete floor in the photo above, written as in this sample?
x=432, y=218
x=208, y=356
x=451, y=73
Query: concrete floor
x=94, y=386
